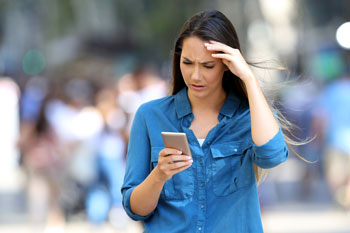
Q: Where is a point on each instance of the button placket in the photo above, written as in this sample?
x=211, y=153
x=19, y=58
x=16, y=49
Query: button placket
x=201, y=172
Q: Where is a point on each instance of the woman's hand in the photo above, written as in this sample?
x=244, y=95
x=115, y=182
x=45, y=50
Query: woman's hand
x=144, y=198
x=263, y=123
x=170, y=162
x=232, y=58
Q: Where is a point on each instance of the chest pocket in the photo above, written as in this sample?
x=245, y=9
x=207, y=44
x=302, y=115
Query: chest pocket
x=226, y=165
x=180, y=186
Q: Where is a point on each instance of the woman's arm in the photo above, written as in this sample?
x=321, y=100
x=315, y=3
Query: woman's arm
x=142, y=186
x=144, y=198
x=263, y=124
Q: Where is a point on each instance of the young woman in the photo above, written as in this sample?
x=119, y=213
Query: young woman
x=217, y=101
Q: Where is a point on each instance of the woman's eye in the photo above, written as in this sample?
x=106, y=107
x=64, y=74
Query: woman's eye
x=209, y=67
x=187, y=63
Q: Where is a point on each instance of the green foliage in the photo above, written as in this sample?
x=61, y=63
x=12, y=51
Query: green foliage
x=156, y=23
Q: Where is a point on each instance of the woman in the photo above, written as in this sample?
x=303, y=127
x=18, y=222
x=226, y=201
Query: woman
x=218, y=103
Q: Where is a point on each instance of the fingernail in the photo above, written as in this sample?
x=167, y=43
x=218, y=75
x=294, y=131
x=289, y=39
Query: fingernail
x=180, y=152
x=191, y=161
x=206, y=44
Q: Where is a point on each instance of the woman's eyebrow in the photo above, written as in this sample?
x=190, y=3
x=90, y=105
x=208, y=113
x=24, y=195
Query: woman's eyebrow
x=207, y=62
x=203, y=63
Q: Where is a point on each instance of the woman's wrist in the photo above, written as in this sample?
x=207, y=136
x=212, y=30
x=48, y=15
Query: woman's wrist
x=249, y=80
x=157, y=177
x=251, y=84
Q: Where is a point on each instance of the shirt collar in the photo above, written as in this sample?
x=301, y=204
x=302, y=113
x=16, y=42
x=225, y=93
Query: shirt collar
x=183, y=106
x=231, y=104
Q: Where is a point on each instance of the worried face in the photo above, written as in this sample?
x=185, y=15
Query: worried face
x=202, y=73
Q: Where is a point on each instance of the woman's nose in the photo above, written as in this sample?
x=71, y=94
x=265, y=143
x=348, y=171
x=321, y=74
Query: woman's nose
x=196, y=73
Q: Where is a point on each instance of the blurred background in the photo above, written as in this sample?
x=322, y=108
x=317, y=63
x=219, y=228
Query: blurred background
x=73, y=73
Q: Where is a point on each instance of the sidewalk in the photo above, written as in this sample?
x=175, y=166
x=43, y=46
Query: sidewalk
x=305, y=218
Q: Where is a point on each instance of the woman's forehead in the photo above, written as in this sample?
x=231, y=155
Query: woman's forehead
x=193, y=49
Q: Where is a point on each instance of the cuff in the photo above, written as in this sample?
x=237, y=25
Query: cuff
x=127, y=208
x=272, y=152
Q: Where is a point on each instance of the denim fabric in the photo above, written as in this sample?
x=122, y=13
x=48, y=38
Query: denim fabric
x=218, y=192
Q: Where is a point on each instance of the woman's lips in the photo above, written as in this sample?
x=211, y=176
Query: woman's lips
x=197, y=87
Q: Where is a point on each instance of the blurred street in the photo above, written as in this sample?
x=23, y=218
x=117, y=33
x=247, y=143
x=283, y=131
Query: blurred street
x=15, y=219
x=305, y=218
x=73, y=74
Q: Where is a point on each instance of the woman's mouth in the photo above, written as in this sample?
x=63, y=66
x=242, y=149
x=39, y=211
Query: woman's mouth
x=197, y=87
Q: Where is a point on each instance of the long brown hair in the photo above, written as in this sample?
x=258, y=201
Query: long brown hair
x=214, y=25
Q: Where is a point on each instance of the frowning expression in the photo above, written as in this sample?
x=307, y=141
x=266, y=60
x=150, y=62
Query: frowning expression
x=201, y=72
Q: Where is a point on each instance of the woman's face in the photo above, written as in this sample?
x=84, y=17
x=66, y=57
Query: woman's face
x=201, y=72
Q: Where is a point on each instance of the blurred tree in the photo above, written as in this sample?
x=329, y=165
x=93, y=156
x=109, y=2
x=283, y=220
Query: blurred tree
x=156, y=23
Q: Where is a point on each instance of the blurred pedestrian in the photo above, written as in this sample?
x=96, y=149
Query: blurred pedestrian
x=217, y=101
x=69, y=115
x=332, y=116
x=104, y=199
x=141, y=86
x=44, y=163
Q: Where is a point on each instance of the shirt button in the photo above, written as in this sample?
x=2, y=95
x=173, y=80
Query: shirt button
x=202, y=184
x=235, y=150
x=208, y=142
x=199, y=228
x=202, y=206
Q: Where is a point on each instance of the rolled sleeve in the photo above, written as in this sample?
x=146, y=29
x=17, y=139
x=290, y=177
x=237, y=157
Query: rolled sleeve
x=271, y=153
x=126, y=205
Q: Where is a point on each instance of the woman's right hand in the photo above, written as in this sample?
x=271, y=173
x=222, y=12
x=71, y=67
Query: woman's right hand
x=170, y=162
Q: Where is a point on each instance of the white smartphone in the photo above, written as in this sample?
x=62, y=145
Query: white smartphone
x=177, y=141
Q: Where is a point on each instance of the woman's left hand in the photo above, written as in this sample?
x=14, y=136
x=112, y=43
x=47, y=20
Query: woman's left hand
x=232, y=58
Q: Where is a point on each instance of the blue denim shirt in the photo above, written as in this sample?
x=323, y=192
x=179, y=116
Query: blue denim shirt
x=218, y=193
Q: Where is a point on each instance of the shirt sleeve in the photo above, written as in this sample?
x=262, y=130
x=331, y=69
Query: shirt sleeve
x=271, y=153
x=137, y=162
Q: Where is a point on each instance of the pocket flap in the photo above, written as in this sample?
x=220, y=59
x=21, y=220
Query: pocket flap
x=226, y=149
x=155, y=152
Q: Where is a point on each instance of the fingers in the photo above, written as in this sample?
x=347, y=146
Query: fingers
x=170, y=156
x=225, y=52
x=172, y=164
x=172, y=161
x=217, y=46
x=176, y=158
x=169, y=151
x=166, y=172
x=177, y=170
x=222, y=56
x=178, y=165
